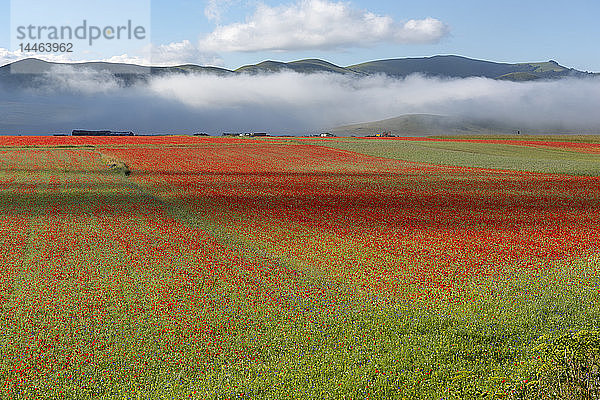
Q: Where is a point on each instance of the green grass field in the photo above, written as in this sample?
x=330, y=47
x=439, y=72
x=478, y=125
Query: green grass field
x=537, y=138
x=479, y=155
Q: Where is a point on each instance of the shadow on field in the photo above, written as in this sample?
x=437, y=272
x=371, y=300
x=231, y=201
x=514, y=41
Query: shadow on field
x=279, y=196
x=41, y=204
x=61, y=171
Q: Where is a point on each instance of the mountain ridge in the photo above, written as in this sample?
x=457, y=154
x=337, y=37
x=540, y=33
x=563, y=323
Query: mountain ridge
x=441, y=66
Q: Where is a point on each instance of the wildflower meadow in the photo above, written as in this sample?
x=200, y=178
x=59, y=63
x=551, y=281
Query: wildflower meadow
x=178, y=267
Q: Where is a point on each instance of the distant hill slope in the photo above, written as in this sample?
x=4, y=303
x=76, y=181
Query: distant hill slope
x=301, y=66
x=438, y=66
x=427, y=124
x=33, y=65
x=26, y=73
x=462, y=67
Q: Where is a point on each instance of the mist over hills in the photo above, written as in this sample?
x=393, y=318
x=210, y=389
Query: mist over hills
x=436, y=66
x=430, y=124
x=435, y=95
x=27, y=73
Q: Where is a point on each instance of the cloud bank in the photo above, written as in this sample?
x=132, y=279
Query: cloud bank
x=287, y=102
x=175, y=53
x=316, y=24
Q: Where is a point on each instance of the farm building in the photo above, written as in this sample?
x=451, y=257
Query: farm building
x=81, y=132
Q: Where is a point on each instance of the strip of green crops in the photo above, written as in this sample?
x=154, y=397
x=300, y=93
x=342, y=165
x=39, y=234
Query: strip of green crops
x=476, y=155
x=541, y=138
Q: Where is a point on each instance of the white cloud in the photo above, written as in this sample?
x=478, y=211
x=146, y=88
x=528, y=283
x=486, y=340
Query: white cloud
x=318, y=24
x=79, y=82
x=177, y=53
x=7, y=56
x=126, y=59
x=214, y=9
x=300, y=101
x=183, y=53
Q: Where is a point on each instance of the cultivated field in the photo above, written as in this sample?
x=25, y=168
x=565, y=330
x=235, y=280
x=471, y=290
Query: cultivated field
x=182, y=267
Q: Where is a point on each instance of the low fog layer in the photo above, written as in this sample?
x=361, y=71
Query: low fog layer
x=286, y=102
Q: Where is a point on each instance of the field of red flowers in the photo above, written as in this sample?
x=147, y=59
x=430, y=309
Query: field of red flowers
x=234, y=268
x=374, y=221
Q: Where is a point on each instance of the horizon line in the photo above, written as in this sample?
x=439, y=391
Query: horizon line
x=278, y=61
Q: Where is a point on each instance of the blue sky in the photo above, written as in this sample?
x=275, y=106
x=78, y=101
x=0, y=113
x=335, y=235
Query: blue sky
x=236, y=32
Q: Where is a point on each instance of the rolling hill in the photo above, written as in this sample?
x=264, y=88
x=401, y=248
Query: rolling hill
x=301, y=66
x=436, y=66
x=462, y=67
x=427, y=125
x=25, y=73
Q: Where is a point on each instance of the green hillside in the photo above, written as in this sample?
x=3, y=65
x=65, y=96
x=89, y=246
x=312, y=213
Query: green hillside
x=462, y=67
x=438, y=66
x=550, y=66
x=301, y=66
x=427, y=125
x=415, y=125
x=519, y=77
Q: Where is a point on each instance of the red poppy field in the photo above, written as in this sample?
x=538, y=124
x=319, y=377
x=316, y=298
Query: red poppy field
x=181, y=267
